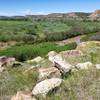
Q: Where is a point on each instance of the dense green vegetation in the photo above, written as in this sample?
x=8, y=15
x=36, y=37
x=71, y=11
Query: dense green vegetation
x=44, y=30
x=93, y=36
x=29, y=51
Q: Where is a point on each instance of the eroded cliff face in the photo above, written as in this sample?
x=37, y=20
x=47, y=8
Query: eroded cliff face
x=95, y=15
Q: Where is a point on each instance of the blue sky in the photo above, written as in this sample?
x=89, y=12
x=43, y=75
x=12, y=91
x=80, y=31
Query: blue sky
x=22, y=7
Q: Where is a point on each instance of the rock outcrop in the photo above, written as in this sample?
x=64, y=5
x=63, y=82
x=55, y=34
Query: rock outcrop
x=36, y=60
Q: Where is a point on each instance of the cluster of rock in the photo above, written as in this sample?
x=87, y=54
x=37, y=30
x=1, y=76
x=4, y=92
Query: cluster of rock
x=50, y=77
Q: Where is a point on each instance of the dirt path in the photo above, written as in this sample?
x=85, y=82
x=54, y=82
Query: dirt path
x=76, y=39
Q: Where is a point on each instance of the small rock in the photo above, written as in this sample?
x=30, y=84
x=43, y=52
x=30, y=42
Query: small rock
x=37, y=60
x=75, y=53
x=6, y=61
x=97, y=66
x=85, y=65
x=45, y=86
x=48, y=73
x=51, y=56
x=23, y=96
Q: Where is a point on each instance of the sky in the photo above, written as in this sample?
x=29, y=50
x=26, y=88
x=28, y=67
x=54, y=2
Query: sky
x=24, y=7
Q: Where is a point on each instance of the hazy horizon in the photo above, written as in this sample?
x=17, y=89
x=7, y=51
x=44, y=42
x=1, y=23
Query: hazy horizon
x=42, y=7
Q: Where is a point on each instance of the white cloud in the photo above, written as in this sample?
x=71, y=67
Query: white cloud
x=30, y=12
x=9, y=14
x=3, y=14
x=41, y=13
x=24, y=12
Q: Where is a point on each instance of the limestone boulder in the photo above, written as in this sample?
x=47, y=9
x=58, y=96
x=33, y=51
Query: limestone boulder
x=60, y=63
x=45, y=86
x=50, y=72
x=97, y=66
x=36, y=60
x=85, y=65
x=51, y=56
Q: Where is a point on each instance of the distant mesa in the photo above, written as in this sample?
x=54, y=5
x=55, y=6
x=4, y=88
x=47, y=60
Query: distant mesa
x=71, y=15
x=95, y=15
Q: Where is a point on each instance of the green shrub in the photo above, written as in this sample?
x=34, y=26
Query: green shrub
x=26, y=51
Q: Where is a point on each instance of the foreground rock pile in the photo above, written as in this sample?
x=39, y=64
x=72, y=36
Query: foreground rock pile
x=50, y=77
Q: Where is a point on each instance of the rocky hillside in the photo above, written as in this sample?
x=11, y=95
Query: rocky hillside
x=67, y=75
x=73, y=15
x=95, y=15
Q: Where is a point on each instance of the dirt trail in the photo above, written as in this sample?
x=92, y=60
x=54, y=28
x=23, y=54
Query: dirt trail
x=76, y=39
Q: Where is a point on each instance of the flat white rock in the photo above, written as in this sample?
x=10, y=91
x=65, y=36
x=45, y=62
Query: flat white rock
x=97, y=66
x=45, y=86
x=85, y=65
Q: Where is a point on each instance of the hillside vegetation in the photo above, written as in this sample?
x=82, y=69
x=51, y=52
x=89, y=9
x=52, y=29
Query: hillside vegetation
x=52, y=30
x=29, y=51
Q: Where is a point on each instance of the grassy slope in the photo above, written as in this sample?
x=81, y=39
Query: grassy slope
x=81, y=85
